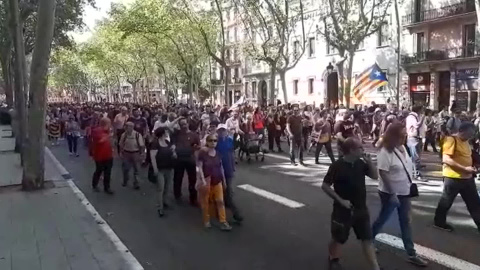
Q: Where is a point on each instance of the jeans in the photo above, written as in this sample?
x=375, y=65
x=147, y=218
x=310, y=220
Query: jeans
x=228, y=197
x=468, y=191
x=415, y=147
x=328, y=146
x=296, y=143
x=182, y=165
x=105, y=168
x=164, y=187
x=72, y=143
x=403, y=210
x=129, y=160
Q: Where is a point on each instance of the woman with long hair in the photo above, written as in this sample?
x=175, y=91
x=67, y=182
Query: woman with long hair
x=395, y=171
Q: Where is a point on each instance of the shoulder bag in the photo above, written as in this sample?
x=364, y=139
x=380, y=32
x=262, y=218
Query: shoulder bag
x=413, y=186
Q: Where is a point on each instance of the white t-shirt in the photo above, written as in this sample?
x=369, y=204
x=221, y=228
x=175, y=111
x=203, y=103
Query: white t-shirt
x=389, y=162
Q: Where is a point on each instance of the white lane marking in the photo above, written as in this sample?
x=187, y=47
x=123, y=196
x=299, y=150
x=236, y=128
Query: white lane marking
x=272, y=196
x=430, y=254
x=131, y=261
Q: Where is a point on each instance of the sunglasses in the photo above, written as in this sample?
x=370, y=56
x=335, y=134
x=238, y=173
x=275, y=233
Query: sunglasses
x=211, y=140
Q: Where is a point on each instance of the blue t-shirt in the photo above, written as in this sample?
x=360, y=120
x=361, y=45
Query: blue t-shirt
x=225, y=149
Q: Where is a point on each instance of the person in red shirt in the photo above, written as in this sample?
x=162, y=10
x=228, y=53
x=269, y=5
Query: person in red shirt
x=102, y=153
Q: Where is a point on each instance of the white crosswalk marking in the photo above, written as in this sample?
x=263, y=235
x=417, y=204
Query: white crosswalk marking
x=272, y=196
x=430, y=254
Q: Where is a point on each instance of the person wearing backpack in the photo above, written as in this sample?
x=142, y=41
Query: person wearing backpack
x=132, y=151
x=458, y=176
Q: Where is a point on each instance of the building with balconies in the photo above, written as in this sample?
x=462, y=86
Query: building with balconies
x=440, y=54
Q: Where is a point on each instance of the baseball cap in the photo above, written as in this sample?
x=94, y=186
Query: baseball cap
x=221, y=126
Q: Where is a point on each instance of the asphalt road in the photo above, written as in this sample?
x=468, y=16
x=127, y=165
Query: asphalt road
x=273, y=236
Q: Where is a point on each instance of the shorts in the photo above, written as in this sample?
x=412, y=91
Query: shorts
x=344, y=219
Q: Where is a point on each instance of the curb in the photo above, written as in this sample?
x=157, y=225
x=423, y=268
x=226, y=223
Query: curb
x=130, y=260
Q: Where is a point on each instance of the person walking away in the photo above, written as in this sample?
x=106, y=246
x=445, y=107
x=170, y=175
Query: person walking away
x=162, y=154
x=119, y=125
x=72, y=129
x=186, y=143
x=226, y=151
x=132, y=148
x=343, y=130
x=430, y=135
x=347, y=176
x=212, y=183
x=100, y=149
x=458, y=172
x=294, y=130
x=233, y=127
x=325, y=138
x=395, y=171
x=376, y=124
x=273, y=130
x=413, y=123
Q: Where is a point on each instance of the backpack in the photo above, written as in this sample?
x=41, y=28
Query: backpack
x=137, y=139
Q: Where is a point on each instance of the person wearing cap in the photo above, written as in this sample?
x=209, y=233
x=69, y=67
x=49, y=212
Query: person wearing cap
x=225, y=149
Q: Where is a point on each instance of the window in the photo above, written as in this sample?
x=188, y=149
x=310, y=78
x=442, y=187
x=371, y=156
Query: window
x=469, y=40
x=235, y=37
x=228, y=14
x=361, y=46
x=296, y=48
x=221, y=74
x=227, y=55
x=236, y=74
x=331, y=49
x=227, y=36
x=254, y=89
x=246, y=90
x=311, y=83
x=311, y=47
x=235, y=55
x=295, y=87
x=383, y=35
x=420, y=42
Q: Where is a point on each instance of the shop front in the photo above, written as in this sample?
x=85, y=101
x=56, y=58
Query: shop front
x=420, y=89
x=466, y=85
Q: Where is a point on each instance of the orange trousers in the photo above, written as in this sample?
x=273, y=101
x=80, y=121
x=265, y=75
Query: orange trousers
x=211, y=196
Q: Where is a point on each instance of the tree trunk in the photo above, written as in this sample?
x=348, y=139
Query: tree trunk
x=283, y=74
x=134, y=91
x=190, y=88
x=228, y=75
x=348, y=85
x=19, y=76
x=271, y=96
x=34, y=167
x=6, y=74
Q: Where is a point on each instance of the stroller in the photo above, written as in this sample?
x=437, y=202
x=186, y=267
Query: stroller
x=250, y=144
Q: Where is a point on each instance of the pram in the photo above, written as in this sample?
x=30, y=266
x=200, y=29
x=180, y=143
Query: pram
x=250, y=144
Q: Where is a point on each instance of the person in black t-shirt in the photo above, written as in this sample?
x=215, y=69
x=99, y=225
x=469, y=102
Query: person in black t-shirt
x=347, y=175
x=163, y=155
x=343, y=130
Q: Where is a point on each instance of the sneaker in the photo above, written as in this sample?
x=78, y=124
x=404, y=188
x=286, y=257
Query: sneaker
x=415, y=260
x=225, y=227
x=303, y=164
x=317, y=162
x=445, y=227
x=70, y=154
x=96, y=189
x=136, y=187
x=280, y=150
x=124, y=184
x=294, y=163
x=160, y=213
x=207, y=225
x=77, y=155
x=334, y=264
x=237, y=218
x=109, y=192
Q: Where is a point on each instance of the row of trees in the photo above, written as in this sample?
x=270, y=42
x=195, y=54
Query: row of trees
x=177, y=41
x=28, y=28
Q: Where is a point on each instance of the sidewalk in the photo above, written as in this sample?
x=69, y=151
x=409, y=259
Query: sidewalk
x=52, y=229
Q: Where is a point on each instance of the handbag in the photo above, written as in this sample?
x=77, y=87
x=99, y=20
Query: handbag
x=413, y=186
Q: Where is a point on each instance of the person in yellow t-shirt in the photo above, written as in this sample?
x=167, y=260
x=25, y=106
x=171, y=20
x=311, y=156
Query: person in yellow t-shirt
x=458, y=172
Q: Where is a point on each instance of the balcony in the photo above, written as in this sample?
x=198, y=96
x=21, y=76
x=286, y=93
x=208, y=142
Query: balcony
x=439, y=14
x=450, y=54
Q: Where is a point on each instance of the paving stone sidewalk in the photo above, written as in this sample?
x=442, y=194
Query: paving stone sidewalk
x=49, y=229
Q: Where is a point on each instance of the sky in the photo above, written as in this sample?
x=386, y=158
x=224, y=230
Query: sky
x=92, y=16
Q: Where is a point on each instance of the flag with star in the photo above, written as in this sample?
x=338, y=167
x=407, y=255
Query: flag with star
x=371, y=78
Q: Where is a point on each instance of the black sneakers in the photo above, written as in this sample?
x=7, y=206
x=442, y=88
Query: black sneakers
x=444, y=227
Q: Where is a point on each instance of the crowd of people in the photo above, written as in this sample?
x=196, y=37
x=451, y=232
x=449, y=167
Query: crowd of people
x=207, y=141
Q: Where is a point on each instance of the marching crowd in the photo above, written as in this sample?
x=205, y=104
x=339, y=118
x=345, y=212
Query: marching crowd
x=206, y=142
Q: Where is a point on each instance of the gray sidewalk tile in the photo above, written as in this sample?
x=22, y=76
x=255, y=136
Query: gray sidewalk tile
x=11, y=171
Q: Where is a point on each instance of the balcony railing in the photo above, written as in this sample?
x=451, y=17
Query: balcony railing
x=439, y=55
x=437, y=13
